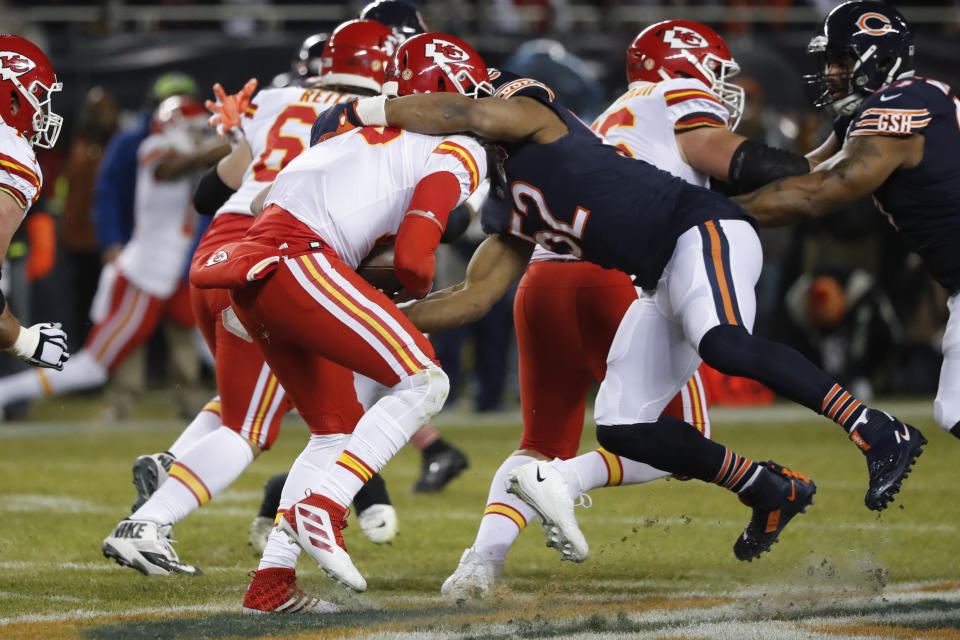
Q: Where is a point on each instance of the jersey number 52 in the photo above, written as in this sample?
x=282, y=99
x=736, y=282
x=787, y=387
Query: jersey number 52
x=560, y=237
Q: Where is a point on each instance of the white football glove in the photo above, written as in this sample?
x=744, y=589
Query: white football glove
x=42, y=345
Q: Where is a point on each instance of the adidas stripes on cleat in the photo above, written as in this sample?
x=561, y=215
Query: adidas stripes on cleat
x=276, y=591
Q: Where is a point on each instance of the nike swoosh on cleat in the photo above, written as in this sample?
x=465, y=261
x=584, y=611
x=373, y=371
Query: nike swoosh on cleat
x=793, y=491
x=905, y=435
x=539, y=477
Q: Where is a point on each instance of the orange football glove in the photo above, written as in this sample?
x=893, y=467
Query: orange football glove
x=228, y=110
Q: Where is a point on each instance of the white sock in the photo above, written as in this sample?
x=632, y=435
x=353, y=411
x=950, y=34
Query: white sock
x=383, y=429
x=206, y=422
x=80, y=372
x=307, y=471
x=505, y=515
x=203, y=471
x=376, y=439
x=600, y=468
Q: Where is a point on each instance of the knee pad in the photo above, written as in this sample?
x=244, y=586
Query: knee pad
x=414, y=400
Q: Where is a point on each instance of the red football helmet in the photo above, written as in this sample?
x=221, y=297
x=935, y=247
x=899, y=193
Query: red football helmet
x=183, y=120
x=26, y=83
x=357, y=54
x=683, y=48
x=432, y=62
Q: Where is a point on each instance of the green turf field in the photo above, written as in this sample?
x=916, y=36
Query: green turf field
x=661, y=564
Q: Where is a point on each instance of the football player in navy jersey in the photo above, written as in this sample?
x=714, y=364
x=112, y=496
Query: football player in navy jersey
x=697, y=256
x=896, y=137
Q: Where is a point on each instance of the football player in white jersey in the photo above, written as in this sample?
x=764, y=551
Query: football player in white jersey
x=145, y=283
x=270, y=130
x=295, y=290
x=27, y=83
x=679, y=113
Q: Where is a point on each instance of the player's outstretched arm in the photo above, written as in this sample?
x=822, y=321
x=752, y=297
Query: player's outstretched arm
x=511, y=120
x=742, y=163
x=857, y=170
x=496, y=264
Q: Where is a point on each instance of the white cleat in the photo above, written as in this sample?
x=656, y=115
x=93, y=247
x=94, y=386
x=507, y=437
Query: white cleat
x=473, y=579
x=545, y=491
x=258, y=533
x=315, y=524
x=379, y=523
x=140, y=544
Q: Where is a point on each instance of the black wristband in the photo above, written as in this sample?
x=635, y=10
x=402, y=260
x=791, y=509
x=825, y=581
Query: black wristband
x=754, y=164
x=211, y=193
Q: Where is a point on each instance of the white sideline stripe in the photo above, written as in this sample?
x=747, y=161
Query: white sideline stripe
x=86, y=614
x=105, y=565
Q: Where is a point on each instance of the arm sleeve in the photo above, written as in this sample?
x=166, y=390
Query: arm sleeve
x=754, y=164
x=211, y=193
x=421, y=229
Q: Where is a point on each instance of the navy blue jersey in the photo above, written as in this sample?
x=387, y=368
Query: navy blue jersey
x=580, y=196
x=922, y=202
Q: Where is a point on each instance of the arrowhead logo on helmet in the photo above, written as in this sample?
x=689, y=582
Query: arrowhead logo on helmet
x=443, y=52
x=13, y=64
x=678, y=37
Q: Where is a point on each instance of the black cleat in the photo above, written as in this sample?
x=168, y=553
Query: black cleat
x=890, y=456
x=149, y=472
x=765, y=525
x=439, y=469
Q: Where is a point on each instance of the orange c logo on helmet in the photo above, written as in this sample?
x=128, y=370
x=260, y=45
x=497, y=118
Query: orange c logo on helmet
x=881, y=24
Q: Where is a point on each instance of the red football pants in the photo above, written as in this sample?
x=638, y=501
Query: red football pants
x=566, y=315
x=316, y=322
x=252, y=401
x=133, y=317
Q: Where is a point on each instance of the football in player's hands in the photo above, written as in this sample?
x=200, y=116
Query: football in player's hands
x=377, y=269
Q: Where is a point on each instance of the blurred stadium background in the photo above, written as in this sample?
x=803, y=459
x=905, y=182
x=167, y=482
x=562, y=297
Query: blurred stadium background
x=842, y=290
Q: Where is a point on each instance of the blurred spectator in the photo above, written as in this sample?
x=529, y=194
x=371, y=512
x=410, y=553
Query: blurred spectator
x=846, y=325
x=96, y=124
x=531, y=16
x=116, y=180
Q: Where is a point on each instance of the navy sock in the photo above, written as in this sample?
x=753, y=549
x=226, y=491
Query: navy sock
x=730, y=349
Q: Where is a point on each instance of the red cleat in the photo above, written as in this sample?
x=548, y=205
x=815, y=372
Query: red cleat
x=276, y=591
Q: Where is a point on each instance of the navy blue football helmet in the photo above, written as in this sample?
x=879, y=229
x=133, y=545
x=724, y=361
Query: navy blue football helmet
x=870, y=42
x=403, y=18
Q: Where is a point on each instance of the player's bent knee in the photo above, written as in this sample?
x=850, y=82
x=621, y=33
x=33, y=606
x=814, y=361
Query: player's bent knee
x=416, y=399
x=726, y=348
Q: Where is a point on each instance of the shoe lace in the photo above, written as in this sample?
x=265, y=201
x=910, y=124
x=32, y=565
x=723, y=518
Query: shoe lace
x=583, y=500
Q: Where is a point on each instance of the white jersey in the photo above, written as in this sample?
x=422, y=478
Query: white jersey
x=20, y=176
x=163, y=222
x=644, y=123
x=354, y=188
x=277, y=127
